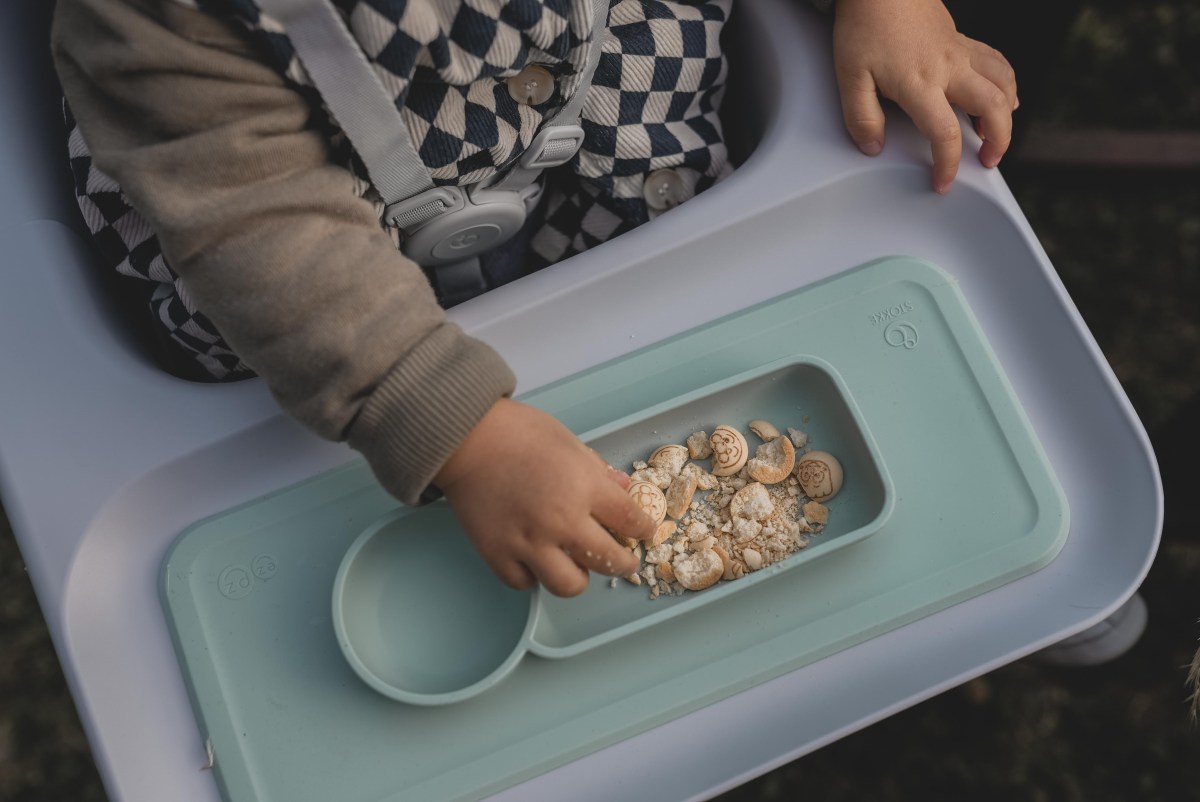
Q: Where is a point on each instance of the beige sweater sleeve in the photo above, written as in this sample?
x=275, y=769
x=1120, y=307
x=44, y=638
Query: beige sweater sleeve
x=222, y=158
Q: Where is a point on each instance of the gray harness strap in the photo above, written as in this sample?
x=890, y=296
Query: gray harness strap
x=353, y=92
x=446, y=228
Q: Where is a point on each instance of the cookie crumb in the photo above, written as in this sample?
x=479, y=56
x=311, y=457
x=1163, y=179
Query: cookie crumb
x=739, y=525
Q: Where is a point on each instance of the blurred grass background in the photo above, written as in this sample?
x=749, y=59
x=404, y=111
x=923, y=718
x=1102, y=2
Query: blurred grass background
x=1127, y=245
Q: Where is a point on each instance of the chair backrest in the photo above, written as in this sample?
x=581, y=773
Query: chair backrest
x=37, y=178
x=35, y=175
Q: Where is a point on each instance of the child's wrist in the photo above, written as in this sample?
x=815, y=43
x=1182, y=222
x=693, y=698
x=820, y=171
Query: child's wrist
x=462, y=458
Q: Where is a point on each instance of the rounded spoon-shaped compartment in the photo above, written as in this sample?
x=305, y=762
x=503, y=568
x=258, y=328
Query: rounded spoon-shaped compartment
x=420, y=617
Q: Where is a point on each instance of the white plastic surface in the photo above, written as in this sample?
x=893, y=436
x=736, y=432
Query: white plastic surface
x=104, y=460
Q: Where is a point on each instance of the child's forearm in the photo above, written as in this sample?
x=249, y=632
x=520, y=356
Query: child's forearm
x=268, y=235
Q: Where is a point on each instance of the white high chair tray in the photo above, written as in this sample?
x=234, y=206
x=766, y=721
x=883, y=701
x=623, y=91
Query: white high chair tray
x=104, y=460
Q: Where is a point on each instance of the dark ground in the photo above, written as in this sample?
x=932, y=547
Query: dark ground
x=1127, y=245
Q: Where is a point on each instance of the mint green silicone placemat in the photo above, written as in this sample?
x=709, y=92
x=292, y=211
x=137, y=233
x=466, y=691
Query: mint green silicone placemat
x=247, y=592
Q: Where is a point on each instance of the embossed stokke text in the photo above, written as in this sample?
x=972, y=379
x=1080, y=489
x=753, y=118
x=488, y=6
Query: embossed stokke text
x=891, y=313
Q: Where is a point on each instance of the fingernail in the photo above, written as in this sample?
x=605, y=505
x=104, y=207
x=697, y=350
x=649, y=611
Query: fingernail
x=872, y=148
x=620, y=477
x=990, y=161
x=1016, y=103
x=941, y=187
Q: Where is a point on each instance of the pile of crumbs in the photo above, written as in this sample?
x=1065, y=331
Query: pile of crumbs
x=742, y=515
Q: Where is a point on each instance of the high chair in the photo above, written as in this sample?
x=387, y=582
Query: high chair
x=105, y=460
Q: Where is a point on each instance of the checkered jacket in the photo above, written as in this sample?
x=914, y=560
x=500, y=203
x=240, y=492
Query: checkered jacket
x=652, y=104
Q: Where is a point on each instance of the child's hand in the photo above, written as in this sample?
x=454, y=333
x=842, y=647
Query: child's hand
x=534, y=500
x=910, y=52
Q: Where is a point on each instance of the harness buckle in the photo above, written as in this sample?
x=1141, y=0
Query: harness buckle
x=553, y=146
x=445, y=225
x=458, y=224
x=412, y=213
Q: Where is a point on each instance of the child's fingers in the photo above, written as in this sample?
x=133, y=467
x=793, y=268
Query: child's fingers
x=514, y=574
x=613, y=508
x=612, y=473
x=558, y=572
x=991, y=64
x=931, y=112
x=862, y=112
x=595, y=550
x=620, y=477
x=982, y=98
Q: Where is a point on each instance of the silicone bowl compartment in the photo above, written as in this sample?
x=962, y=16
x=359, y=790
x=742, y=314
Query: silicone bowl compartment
x=421, y=618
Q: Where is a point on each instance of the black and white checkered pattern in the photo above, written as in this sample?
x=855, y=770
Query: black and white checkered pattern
x=443, y=62
x=655, y=94
x=466, y=125
x=652, y=104
x=124, y=238
x=173, y=309
x=127, y=243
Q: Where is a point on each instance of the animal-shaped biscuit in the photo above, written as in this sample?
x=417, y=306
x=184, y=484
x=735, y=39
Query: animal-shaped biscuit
x=820, y=475
x=650, y=499
x=729, y=450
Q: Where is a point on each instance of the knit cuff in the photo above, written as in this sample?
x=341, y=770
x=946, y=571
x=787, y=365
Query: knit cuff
x=424, y=408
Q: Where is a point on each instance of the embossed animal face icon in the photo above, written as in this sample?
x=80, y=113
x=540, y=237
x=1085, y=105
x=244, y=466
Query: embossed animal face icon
x=649, y=498
x=815, y=478
x=727, y=449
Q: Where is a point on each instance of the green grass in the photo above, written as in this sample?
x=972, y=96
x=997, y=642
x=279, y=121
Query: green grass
x=43, y=753
x=1132, y=66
